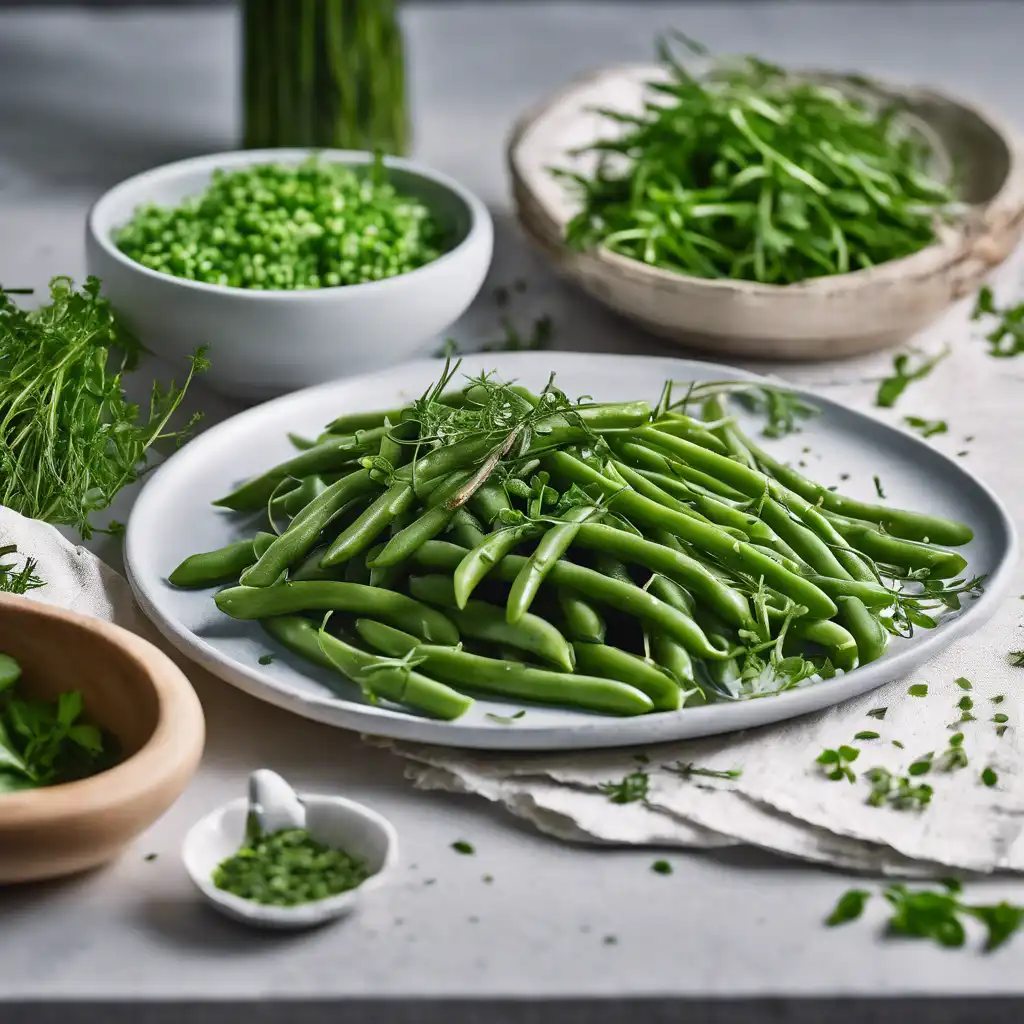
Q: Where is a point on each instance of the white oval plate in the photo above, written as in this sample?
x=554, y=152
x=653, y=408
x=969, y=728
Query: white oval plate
x=173, y=518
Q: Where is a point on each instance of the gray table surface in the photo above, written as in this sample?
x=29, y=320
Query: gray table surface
x=87, y=99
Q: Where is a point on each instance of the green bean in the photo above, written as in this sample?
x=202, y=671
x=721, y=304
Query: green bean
x=913, y=526
x=672, y=657
x=509, y=678
x=465, y=530
x=369, y=525
x=295, y=500
x=725, y=432
x=299, y=635
x=356, y=570
x=612, y=567
x=426, y=527
x=580, y=619
x=301, y=443
x=850, y=559
x=482, y=621
x=612, y=663
x=489, y=501
x=288, y=598
x=593, y=585
x=599, y=416
x=670, y=592
x=905, y=554
x=736, y=554
x=871, y=636
x=693, y=430
x=643, y=456
x=310, y=570
x=731, y=604
x=352, y=422
x=837, y=641
x=642, y=485
x=208, y=568
x=485, y=556
x=552, y=545
x=874, y=595
x=803, y=540
x=329, y=455
x=304, y=530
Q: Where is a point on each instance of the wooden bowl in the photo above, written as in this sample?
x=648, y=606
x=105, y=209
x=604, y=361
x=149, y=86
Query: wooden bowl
x=824, y=317
x=129, y=688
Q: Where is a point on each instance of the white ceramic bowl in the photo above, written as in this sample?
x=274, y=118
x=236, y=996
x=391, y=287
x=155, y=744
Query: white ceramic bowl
x=333, y=820
x=268, y=342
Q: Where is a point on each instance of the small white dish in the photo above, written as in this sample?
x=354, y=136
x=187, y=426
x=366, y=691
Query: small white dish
x=333, y=820
x=264, y=343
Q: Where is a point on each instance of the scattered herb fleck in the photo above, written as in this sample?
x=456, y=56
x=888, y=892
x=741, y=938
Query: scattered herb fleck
x=150, y=857
x=918, y=690
x=878, y=487
x=998, y=699
x=896, y=743
x=266, y=659
x=849, y=908
x=1017, y=658
x=688, y=770
x=907, y=367
x=1006, y=339
x=926, y=428
x=896, y=791
x=630, y=789
x=965, y=703
x=964, y=683
x=661, y=867
x=836, y=763
x=877, y=712
x=461, y=846
x=610, y=940
x=1000, y=718
x=505, y=719
x=867, y=734
x=488, y=879
x=989, y=777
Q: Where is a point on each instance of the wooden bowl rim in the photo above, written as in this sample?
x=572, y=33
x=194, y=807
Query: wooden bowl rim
x=1003, y=212
x=175, y=744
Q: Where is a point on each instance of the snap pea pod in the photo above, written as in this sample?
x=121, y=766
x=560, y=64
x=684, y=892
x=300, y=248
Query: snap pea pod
x=670, y=592
x=224, y=565
x=352, y=422
x=906, y=554
x=693, y=430
x=809, y=547
x=304, y=530
x=730, y=603
x=509, y=678
x=291, y=597
x=736, y=554
x=552, y=545
x=486, y=555
x=643, y=456
x=913, y=526
x=871, y=636
x=426, y=527
x=672, y=657
x=329, y=455
x=593, y=585
x=837, y=641
x=397, y=684
x=613, y=663
x=580, y=619
x=483, y=621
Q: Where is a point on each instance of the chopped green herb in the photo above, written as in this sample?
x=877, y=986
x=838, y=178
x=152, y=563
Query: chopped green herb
x=918, y=690
x=867, y=734
x=266, y=659
x=610, y=940
x=488, y=879
x=926, y=428
x=461, y=846
x=505, y=719
x=955, y=757
x=896, y=743
x=1000, y=718
x=629, y=789
x=989, y=777
x=963, y=454
x=922, y=766
x=849, y=908
x=287, y=868
x=998, y=699
x=150, y=857
x=1006, y=339
x=661, y=867
x=877, y=712
x=878, y=487
x=964, y=683
x=965, y=703
x=907, y=367
x=896, y=791
x=1017, y=658
x=1000, y=729
x=836, y=763
x=14, y=580
x=689, y=770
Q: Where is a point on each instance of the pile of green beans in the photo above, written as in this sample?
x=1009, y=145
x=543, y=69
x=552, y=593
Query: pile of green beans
x=607, y=557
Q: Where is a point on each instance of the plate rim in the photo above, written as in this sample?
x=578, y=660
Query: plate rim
x=598, y=731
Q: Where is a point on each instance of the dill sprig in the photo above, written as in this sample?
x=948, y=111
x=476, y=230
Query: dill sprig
x=69, y=439
x=14, y=580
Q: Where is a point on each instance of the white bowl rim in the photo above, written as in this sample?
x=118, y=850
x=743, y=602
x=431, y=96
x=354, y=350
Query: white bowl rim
x=478, y=216
x=314, y=910
x=945, y=250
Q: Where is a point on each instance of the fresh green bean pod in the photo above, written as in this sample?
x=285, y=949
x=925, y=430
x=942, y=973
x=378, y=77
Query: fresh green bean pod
x=509, y=678
x=809, y=547
x=839, y=642
x=672, y=657
x=304, y=531
x=225, y=565
x=300, y=443
x=398, y=684
x=871, y=636
x=736, y=554
x=731, y=604
x=370, y=524
x=299, y=635
x=692, y=429
x=625, y=597
x=482, y=621
x=294, y=501
x=906, y=554
x=489, y=501
x=353, y=422
x=464, y=529
x=613, y=663
x=485, y=556
x=643, y=456
x=643, y=485
x=612, y=567
x=552, y=545
x=580, y=619
x=726, y=434
x=330, y=455
x=672, y=593
x=874, y=595
x=289, y=598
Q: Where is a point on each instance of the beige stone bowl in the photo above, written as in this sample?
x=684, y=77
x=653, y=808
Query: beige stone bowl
x=130, y=688
x=824, y=317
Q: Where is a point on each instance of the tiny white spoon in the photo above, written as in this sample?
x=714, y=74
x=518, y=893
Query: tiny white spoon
x=273, y=805
x=333, y=820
